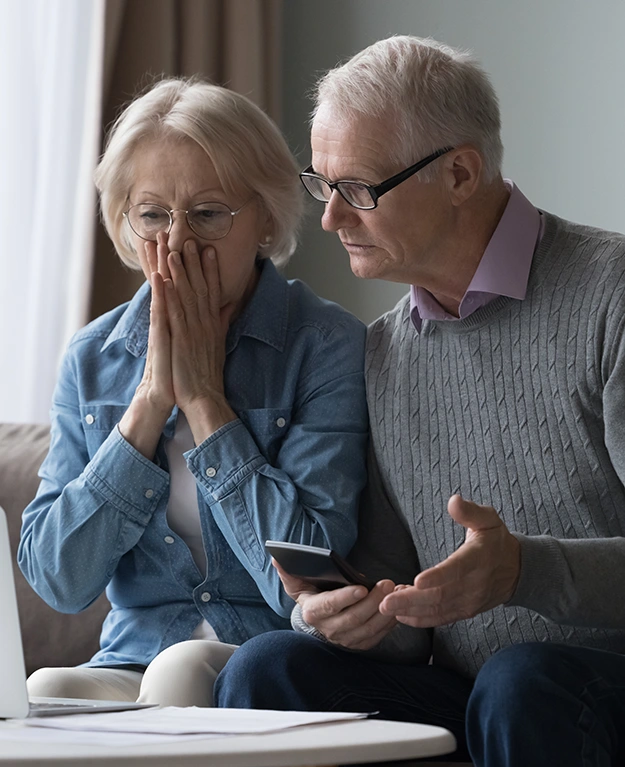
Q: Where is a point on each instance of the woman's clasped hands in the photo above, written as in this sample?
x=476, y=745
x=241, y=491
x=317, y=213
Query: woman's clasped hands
x=186, y=346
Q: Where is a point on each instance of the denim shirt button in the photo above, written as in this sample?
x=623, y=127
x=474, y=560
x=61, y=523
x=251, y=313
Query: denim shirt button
x=280, y=422
x=89, y=419
x=211, y=471
x=205, y=596
x=149, y=493
x=168, y=539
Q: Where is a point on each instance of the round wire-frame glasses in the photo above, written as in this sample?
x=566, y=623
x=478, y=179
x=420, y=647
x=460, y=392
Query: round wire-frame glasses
x=357, y=193
x=209, y=220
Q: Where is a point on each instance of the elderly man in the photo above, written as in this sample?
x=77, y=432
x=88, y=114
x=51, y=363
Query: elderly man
x=495, y=512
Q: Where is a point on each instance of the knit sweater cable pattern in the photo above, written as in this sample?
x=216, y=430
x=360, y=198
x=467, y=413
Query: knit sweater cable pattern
x=520, y=406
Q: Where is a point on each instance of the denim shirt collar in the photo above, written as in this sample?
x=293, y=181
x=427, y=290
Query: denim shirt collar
x=265, y=317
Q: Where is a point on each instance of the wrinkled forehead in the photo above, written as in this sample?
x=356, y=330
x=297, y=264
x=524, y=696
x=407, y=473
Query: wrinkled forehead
x=182, y=161
x=353, y=147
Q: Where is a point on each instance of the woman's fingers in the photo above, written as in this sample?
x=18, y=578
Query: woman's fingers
x=193, y=269
x=149, y=248
x=197, y=337
x=159, y=340
x=162, y=253
x=143, y=422
x=174, y=300
x=210, y=268
x=197, y=281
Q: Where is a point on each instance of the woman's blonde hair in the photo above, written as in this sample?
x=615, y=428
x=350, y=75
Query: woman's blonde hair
x=243, y=143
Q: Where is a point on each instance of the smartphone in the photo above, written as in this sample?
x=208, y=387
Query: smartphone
x=322, y=568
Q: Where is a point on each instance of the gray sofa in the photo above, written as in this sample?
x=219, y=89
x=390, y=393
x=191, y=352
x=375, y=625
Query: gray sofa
x=50, y=638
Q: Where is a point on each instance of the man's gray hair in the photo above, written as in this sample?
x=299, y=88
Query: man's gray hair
x=436, y=95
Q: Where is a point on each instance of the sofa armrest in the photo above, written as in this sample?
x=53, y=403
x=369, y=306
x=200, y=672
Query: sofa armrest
x=49, y=638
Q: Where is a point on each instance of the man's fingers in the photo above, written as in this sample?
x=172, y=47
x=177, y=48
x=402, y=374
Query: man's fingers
x=454, y=569
x=419, y=601
x=327, y=604
x=471, y=515
x=293, y=586
x=410, y=600
x=346, y=612
x=361, y=625
x=431, y=607
x=439, y=615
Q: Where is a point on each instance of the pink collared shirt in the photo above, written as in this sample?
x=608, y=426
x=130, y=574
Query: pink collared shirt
x=503, y=270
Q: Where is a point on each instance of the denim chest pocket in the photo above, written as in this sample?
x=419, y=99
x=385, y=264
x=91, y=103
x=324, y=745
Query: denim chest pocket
x=268, y=426
x=98, y=421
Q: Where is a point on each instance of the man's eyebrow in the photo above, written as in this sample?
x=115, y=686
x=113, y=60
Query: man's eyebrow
x=353, y=179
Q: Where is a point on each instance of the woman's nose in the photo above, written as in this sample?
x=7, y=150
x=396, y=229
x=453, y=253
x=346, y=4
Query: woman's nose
x=180, y=231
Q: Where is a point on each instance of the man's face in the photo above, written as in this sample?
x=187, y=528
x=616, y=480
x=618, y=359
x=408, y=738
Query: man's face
x=403, y=239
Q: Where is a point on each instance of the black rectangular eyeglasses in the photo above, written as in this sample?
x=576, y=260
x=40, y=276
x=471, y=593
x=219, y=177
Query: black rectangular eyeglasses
x=357, y=193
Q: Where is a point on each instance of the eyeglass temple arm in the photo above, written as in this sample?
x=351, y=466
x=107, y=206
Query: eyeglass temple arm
x=395, y=180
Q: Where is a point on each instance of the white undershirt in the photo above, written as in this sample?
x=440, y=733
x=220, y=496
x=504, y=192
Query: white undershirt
x=183, y=513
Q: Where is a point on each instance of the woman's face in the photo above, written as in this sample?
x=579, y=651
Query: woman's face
x=178, y=174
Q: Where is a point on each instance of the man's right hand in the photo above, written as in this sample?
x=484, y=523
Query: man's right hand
x=348, y=616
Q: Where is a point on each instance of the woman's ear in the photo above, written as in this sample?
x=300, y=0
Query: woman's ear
x=266, y=227
x=266, y=232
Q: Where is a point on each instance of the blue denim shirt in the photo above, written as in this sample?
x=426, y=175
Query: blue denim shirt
x=291, y=467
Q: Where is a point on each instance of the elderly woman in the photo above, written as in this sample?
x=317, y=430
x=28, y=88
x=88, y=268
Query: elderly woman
x=221, y=407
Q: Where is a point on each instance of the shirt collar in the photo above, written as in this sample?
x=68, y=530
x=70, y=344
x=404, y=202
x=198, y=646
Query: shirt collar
x=266, y=315
x=264, y=318
x=503, y=269
x=134, y=324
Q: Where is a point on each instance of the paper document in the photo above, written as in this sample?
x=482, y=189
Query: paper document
x=191, y=721
x=18, y=731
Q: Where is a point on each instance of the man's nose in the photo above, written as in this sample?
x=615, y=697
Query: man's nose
x=180, y=231
x=338, y=214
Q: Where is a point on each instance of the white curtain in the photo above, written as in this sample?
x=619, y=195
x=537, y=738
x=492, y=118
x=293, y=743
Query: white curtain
x=51, y=54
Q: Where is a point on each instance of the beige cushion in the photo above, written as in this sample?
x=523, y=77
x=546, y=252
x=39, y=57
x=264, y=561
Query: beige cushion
x=50, y=638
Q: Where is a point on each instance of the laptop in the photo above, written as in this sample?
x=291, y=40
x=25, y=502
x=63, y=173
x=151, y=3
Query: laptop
x=14, y=702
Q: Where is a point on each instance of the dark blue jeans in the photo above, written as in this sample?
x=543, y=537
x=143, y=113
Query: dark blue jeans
x=532, y=705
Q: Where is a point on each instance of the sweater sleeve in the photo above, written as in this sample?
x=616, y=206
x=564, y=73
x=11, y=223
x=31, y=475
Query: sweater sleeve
x=581, y=582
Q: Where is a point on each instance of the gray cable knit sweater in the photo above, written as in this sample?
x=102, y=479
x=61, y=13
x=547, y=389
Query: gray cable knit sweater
x=520, y=406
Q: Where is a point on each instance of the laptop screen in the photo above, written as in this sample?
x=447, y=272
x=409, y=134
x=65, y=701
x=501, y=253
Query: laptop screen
x=13, y=695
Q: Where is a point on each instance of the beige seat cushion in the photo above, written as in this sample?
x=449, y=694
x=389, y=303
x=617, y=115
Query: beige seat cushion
x=50, y=638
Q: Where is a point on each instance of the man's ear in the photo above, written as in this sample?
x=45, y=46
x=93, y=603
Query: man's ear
x=463, y=169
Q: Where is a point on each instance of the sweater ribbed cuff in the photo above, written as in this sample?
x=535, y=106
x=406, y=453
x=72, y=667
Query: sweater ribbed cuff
x=299, y=624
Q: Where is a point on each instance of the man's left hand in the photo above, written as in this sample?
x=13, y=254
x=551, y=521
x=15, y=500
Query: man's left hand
x=481, y=574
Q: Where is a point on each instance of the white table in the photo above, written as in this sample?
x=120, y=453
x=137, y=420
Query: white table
x=328, y=744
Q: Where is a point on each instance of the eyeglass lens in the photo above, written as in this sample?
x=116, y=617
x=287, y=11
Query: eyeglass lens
x=209, y=220
x=356, y=194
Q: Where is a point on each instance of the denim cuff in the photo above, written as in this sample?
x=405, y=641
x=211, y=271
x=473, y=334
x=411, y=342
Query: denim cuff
x=225, y=459
x=126, y=478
